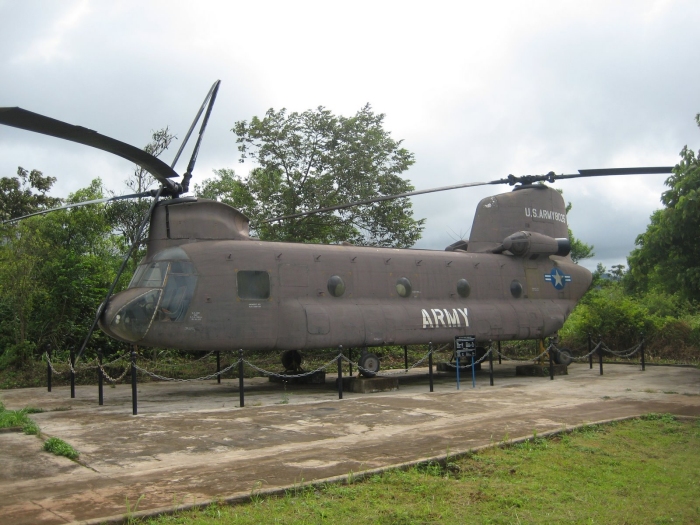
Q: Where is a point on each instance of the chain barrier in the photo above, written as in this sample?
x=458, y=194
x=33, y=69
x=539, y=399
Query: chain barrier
x=523, y=360
x=84, y=367
x=623, y=353
x=110, y=378
x=584, y=357
x=600, y=345
x=480, y=360
x=292, y=376
x=203, y=378
x=268, y=373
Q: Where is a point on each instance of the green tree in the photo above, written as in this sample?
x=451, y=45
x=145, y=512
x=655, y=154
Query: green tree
x=54, y=271
x=316, y=159
x=667, y=256
x=25, y=194
x=126, y=215
x=579, y=249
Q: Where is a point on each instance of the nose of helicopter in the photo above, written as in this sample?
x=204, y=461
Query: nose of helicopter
x=129, y=314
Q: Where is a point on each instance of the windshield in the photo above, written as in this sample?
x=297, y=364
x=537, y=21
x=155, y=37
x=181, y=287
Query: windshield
x=169, y=282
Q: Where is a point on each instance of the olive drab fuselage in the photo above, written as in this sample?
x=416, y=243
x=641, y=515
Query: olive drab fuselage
x=206, y=285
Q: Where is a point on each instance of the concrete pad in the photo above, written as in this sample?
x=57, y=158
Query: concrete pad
x=191, y=442
x=540, y=370
x=370, y=385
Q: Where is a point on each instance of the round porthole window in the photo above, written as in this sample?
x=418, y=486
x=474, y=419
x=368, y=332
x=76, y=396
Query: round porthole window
x=336, y=286
x=516, y=289
x=463, y=288
x=403, y=287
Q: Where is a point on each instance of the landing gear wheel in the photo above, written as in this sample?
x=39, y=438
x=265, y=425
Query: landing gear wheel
x=563, y=357
x=369, y=365
x=291, y=360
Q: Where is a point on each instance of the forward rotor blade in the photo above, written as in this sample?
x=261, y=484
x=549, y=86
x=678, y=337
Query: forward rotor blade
x=211, y=97
x=83, y=203
x=381, y=199
x=23, y=119
x=213, y=90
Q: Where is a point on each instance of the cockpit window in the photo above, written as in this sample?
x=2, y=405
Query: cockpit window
x=137, y=276
x=175, y=276
x=171, y=254
x=152, y=275
x=179, y=289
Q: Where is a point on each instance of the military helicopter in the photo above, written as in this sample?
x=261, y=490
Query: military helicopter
x=206, y=284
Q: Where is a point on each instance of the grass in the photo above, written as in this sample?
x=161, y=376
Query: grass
x=60, y=448
x=645, y=470
x=19, y=419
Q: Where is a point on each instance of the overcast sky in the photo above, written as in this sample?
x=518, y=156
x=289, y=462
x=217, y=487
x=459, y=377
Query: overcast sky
x=475, y=90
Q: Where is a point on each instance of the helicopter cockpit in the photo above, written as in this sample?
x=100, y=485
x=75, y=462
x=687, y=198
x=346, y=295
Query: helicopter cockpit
x=160, y=291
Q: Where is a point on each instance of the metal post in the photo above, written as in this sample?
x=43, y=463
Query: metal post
x=600, y=354
x=340, y=372
x=72, y=375
x=241, y=392
x=551, y=363
x=590, y=355
x=499, y=352
x=641, y=348
x=405, y=357
x=48, y=368
x=473, y=373
x=134, y=402
x=100, y=379
x=430, y=366
x=457, y=369
x=350, y=361
x=491, y=363
x=218, y=367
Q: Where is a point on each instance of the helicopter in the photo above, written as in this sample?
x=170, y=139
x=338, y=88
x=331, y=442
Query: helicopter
x=206, y=284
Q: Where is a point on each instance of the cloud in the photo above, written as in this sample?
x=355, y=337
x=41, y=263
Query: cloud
x=476, y=90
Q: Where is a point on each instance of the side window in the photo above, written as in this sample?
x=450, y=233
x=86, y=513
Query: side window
x=253, y=284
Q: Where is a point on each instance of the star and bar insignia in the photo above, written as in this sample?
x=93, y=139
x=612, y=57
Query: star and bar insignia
x=557, y=278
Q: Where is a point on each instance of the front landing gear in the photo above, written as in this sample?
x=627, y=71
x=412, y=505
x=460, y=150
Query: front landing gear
x=291, y=361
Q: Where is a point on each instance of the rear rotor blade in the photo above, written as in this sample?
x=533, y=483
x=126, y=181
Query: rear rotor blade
x=511, y=179
x=649, y=170
x=380, y=199
x=23, y=119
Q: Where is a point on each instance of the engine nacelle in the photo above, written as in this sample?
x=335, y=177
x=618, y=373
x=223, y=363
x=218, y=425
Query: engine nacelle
x=533, y=244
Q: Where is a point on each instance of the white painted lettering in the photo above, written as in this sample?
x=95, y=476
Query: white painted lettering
x=439, y=318
x=463, y=311
x=548, y=215
x=444, y=317
x=452, y=318
x=427, y=322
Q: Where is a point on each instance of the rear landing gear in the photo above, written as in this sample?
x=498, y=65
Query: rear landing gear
x=369, y=364
x=562, y=356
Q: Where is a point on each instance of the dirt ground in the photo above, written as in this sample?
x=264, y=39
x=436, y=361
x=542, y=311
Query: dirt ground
x=191, y=442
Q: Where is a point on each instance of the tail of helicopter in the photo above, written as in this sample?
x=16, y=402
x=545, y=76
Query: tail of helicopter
x=532, y=209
